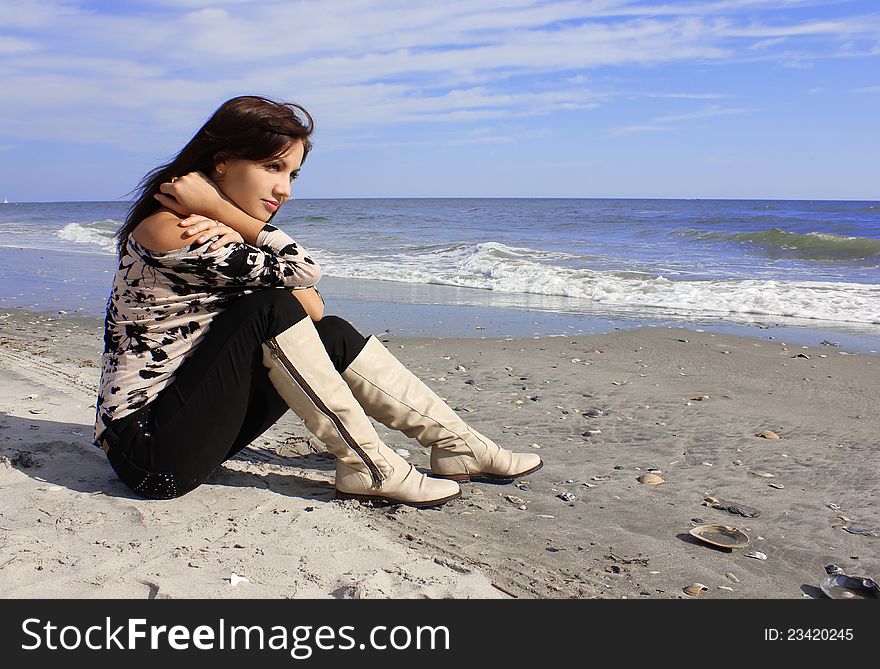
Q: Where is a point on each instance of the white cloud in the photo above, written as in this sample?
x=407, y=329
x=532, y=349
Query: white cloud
x=636, y=129
x=707, y=112
x=140, y=73
x=15, y=45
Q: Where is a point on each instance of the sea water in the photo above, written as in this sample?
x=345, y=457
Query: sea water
x=811, y=265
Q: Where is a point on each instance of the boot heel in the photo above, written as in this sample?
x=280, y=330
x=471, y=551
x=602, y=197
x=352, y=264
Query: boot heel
x=458, y=478
x=359, y=498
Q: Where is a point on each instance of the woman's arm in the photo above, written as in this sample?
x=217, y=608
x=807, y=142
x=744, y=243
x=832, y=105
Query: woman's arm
x=194, y=193
x=196, y=196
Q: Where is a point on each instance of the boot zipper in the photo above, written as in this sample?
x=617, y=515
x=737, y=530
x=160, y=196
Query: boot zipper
x=278, y=352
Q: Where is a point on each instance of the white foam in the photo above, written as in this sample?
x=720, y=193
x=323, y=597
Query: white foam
x=99, y=233
x=499, y=268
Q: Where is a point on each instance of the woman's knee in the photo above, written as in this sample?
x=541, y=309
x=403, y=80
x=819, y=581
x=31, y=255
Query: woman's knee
x=275, y=307
x=341, y=340
x=282, y=302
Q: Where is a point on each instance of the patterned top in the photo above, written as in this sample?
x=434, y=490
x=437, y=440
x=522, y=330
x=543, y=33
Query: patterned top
x=162, y=303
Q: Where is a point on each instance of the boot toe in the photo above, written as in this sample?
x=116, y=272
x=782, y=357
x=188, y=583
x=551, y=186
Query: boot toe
x=526, y=463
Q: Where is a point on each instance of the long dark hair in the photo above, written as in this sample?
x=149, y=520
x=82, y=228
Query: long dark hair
x=247, y=127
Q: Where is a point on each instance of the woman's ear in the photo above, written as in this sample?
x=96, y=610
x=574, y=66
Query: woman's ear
x=220, y=163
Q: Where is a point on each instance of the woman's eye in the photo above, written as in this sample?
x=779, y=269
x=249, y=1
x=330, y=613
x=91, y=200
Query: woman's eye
x=293, y=175
x=273, y=166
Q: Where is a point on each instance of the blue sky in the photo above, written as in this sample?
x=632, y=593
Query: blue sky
x=590, y=98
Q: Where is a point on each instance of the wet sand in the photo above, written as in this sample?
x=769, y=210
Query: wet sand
x=684, y=403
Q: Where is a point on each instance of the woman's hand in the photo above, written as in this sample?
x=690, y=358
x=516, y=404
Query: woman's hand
x=192, y=193
x=207, y=228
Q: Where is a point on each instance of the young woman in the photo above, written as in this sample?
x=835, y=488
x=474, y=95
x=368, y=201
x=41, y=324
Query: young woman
x=214, y=329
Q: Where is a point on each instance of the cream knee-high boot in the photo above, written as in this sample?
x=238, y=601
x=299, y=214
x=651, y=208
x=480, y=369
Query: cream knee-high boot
x=398, y=399
x=366, y=469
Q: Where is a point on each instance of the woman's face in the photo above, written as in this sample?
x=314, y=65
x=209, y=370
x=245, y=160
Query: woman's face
x=259, y=187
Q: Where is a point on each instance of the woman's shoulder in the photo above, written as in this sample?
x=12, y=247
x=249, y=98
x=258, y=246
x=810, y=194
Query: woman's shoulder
x=160, y=232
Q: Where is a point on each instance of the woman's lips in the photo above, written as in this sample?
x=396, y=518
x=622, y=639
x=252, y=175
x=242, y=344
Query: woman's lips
x=270, y=205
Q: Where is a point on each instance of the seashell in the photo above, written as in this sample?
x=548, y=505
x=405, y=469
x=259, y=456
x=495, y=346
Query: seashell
x=723, y=536
x=651, y=479
x=700, y=398
x=840, y=585
x=737, y=462
x=846, y=587
x=593, y=413
x=235, y=579
x=768, y=434
x=724, y=587
x=591, y=433
x=694, y=589
x=778, y=486
x=619, y=383
x=534, y=445
x=737, y=508
x=763, y=475
x=37, y=411
x=758, y=555
x=513, y=499
x=710, y=501
x=732, y=577
x=863, y=531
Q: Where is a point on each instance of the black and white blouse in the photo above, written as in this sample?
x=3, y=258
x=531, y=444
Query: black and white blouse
x=162, y=303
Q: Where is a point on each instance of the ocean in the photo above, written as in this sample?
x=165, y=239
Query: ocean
x=518, y=267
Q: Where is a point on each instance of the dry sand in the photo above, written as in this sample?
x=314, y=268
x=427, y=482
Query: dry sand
x=71, y=529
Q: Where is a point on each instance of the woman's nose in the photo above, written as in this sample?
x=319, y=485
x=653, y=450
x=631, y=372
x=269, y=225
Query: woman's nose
x=282, y=189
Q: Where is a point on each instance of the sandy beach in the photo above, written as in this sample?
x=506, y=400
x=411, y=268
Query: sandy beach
x=603, y=410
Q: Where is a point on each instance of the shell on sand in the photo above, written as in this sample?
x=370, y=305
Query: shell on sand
x=694, y=589
x=723, y=536
x=651, y=479
x=768, y=434
x=763, y=475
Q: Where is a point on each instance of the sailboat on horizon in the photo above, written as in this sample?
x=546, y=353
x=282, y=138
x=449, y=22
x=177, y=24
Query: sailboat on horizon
x=5, y=201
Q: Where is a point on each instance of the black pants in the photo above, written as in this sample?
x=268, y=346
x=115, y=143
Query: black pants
x=220, y=400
